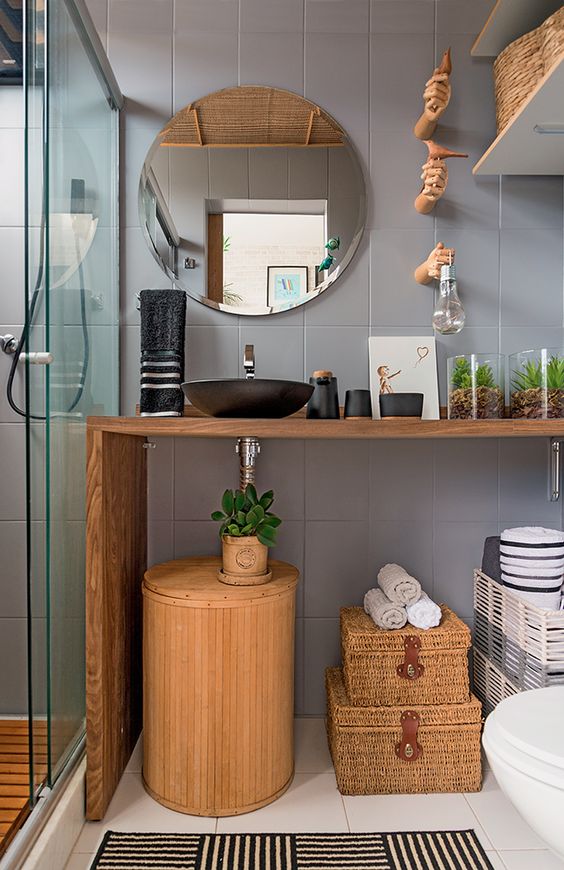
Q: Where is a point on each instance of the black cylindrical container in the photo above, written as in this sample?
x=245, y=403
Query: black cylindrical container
x=358, y=404
x=401, y=405
x=324, y=403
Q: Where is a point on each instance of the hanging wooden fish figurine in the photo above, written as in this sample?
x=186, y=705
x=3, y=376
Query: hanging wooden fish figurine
x=333, y=244
x=327, y=263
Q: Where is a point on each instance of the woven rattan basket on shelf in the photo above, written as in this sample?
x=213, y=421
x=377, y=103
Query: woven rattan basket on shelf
x=520, y=66
x=365, y=745
x=377, y=663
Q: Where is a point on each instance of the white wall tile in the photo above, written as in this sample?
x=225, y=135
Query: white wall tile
x=272, y=59
x=271, y=16
x=336, y=76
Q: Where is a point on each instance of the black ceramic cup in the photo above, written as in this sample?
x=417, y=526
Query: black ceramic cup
x=358, y=404
x=401, y=405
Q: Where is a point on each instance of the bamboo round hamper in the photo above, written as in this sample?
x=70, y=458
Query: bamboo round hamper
x=394, y=750
x=218, y=683
x=520, y=66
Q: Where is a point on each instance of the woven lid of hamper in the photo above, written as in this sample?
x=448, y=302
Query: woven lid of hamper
x=359, y=633
x=345, y=715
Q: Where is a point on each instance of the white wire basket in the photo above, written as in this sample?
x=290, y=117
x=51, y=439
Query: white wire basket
x=490, y=684
x=524, y=642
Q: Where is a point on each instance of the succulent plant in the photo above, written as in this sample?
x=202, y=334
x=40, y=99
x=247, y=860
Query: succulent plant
x=462, y=377
x=244, y=514
x=531, y=375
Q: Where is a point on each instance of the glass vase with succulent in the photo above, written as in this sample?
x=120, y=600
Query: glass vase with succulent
x=476, y=387
x=537, y=384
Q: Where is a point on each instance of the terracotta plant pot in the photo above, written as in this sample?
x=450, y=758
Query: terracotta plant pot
x=245, y=561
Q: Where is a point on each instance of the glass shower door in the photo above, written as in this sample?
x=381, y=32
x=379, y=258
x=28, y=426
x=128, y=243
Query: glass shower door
x=73, y=308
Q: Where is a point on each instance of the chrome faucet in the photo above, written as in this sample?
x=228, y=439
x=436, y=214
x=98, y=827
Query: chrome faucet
x=249, y=361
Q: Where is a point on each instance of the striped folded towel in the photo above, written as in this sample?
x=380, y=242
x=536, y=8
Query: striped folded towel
x=163, y=321
x=532, y=564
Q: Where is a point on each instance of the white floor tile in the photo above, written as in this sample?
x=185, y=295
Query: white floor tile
x=527, y=860
x=495, y=861
x=80, y=861
x=311, y=749
x=312, y=803
x=135, y=763
x=502, y=823
x=132, y=809
x=412, y=812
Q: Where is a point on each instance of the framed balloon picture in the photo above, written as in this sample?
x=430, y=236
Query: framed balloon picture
x=404, y=364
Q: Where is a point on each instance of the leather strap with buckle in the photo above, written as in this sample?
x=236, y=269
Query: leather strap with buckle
x=409, y=749
x=410, y=669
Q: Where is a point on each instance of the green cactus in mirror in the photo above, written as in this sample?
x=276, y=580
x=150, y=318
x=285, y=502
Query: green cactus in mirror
x=326, y=263
x=244, y=514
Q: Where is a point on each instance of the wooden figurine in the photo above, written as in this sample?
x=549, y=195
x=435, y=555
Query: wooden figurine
x=436, y=98
x=434, y=176
x=430, y=269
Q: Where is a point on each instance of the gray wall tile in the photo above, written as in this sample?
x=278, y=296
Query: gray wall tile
x=466, y=481
x=211, y=352
x=205, y=61
x=206, y=15
x=337, y=16
x=130, y=349
x=12, y=259
x=458, y=550
x=279, y=350
x=405, y=543
x=12, y=174
x=336, y=482
x=13, y=578
x=161, y=479
x=281, y=468
x=457, y=16
x=12, y=105
x=343, y=350
x=271, y=58
x=398, y=107
x=271, y=16
x=390, y=16
x=531, y=201
x=196, y=538
x=139, y=271
x=268, y=173
x=401, y=481
x=337, y=570
x=13, y=679
x=523, y=465
x=518, y=250
x=396, y=298
x=203, y=469
x=13, y=470
x=341, y=85
x=147, y=85
x=159, y=542
x=322, y=649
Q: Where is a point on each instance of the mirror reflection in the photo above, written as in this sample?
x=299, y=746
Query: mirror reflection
x=252, y=200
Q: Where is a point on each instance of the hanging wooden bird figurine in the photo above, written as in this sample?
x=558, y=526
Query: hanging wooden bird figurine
x=436, y=98
x=326, y=263
x=333, y=244
x=434, y=176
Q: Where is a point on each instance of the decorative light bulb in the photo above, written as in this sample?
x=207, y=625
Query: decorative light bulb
x=449, y=315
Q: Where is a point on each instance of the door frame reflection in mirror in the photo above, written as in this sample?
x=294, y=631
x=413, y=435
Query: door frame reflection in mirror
x=248, y=117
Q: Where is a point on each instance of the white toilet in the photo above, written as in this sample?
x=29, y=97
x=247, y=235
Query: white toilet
x=524, y=743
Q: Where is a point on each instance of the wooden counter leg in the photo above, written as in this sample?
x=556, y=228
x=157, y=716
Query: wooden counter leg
x=116, y=556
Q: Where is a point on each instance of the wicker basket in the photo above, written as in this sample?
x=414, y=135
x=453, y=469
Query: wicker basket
x=525, y=642
x=520, y=66
x=404, y=666
x=394, y=750
x=490, y=683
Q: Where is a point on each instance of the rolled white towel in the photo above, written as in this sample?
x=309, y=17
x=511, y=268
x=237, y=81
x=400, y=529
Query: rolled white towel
x=424, y=613
x=384, y=612
x=532, y=542
x=399, y=586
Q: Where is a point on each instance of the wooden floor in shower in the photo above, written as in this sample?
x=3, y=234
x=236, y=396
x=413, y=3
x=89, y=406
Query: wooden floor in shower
x=14, y=772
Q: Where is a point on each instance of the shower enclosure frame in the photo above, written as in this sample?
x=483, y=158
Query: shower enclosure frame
x=59, y=42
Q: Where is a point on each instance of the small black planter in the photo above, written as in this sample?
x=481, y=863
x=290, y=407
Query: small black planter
x=358, y=404
x=401, y=405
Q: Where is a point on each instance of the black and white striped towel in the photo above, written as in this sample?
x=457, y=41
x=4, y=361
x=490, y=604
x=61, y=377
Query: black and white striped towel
x=163, y=323
x=532, y=564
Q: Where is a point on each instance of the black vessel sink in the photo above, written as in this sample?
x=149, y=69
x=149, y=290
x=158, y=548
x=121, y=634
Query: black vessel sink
x=259, y=397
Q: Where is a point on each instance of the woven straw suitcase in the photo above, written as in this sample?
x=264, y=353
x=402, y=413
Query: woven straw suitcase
x=406, y=665
x=402, y=750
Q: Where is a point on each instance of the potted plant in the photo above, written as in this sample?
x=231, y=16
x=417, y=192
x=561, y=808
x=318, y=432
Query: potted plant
x=537, y=384
x=248, y=529
x=476, y=387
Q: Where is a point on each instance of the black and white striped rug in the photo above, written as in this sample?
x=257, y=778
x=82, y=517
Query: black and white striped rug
x=442, y=850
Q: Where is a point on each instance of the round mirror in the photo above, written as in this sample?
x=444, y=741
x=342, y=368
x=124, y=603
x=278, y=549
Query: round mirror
x=252, y=199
